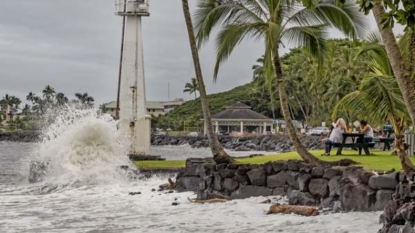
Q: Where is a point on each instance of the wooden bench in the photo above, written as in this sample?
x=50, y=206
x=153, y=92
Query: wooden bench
x=359, y=146
x=386, y=142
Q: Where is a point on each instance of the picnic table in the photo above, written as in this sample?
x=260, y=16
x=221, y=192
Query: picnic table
x=386, y=142
x=354, y=144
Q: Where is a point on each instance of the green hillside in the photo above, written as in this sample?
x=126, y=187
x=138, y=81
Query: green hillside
x=191, y=111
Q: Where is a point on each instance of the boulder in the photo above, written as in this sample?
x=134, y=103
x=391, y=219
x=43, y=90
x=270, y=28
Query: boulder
x=188, y=184
x=257, y=177
x=296, y=197
x=251, y=191
x=303, y=181
x=318, y=187
x=334, y=186
x=190, y=171
x=292, y=179
x=221, y=166
x=241, y=179
x=293, y=165
x=317, y=172
x=226, y=173
x=278, y=180
x=279, y=166
x=357, y=197
x=268, y=168
x=242, y=170
x=406, y=213
x=382, y=182
x=306, y=168
x=230, y=185
x=390, y=210
x=205, y=169
x=382, y=199
x=364, y=176
x=332, y=172
x=232, y=166
x=217, y=181
x=280, y=191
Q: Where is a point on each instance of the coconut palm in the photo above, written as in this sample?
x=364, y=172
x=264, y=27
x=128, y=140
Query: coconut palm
x=61, y=99
x=403, y=69
x=275, y=21
x=26, y=109
x=10, y=103
x=85, y=99
x=219, y=154
x=379, y=94
x=48, y=92
x=191, y=87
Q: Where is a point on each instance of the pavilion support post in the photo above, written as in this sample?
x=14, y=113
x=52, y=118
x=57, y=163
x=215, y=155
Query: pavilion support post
x=242, y=127
x=216, y=127
x=265, y=127
x=229, y=129
x=204, y=128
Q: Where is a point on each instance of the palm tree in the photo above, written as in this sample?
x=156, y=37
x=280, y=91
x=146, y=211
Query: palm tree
x=48, y=92
x=61, y=99
x=26, y=109
x=10, y=103
x=379, y=94
x=275, y=21
x=85, y=99
x=30, y=97
x=402, y=69
x=191, y=87
x=219, y=154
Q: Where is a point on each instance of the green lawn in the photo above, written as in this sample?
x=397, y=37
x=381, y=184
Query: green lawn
x=378, y=160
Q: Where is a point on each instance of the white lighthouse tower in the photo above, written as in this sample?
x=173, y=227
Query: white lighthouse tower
x=133, y=114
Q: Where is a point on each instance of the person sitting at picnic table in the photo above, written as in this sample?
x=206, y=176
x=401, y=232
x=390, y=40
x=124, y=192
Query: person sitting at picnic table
x=336, y=136
x=367, y=130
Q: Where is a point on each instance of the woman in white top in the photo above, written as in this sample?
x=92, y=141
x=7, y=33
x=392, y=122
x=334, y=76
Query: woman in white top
x=367, y=130
x=336, y=136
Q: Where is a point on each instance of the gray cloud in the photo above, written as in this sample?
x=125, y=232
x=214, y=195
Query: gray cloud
x=74, y=46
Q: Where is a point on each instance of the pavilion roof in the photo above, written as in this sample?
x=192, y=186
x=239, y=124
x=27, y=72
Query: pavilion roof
x=239, y=111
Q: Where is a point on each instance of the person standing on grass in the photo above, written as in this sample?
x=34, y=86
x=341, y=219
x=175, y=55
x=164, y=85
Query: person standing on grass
x=336, y=136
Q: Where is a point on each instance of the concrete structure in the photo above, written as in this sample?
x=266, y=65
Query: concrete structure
x=153, y=108
x=238, y=119
x=133, y=113
x=170, y=105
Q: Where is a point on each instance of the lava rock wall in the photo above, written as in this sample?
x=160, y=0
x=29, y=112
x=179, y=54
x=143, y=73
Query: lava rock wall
x=357, y=189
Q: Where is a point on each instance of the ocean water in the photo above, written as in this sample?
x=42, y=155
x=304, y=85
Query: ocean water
x=84, y=191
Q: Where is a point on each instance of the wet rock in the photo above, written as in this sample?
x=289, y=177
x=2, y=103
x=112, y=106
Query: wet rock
x=251, y=191
x=390, y=210
x=318, y=187
x=303, y=181
x=268, y=168
x=241, y=179
x=357, y=197
x=306, y=168
x=217, y=181
x=334, y=186
x=174, y=203
x=226, y=173
x=382, y=199
x=232, y=166
x=293, y=166
x=279, y=166
x=205, y=169
x=153, y=190
x=253, y=166
x=281, y=191
x=134, y=193
x=278, y=180
x=296, y=197
x=190, y=171
x=230, y=185
x=317, y=172
x=188, y=184
x=292, y=180
x=221, y=166
x=257, y=177
x=406, y=213
x=242, y=170
x=382, y=182
x=331, y=172
x=364, y=176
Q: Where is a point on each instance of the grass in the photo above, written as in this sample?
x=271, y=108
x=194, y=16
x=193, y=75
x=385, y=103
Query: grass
x=378, y=160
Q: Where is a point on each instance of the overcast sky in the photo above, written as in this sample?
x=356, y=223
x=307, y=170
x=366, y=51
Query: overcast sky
x=74, y=47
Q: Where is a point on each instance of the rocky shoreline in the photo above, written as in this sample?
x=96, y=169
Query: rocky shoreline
x=277, y=143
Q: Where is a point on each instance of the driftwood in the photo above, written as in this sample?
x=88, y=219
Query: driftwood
x=172, y=185
x=289, y=209
x=214, y=200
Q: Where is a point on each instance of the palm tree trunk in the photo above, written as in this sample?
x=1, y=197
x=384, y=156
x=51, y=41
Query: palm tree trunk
x=402, y=74
x=301, y=150
x=219, y=154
